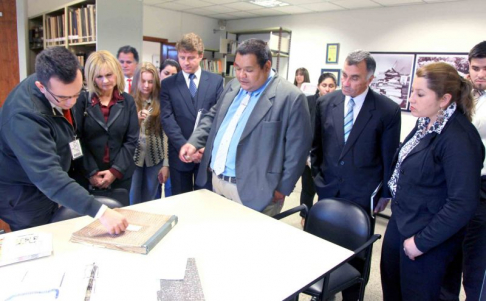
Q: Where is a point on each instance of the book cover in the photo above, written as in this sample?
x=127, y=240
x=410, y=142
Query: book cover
x=145, y=230
x=18, y=248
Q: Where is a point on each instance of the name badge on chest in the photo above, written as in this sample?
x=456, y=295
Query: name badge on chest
x=76, y=150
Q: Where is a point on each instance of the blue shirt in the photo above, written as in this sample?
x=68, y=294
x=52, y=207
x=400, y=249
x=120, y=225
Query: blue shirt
x=230, y=168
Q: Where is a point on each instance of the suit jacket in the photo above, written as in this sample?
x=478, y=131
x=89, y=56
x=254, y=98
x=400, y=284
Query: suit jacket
x=120, y=133
x=179, y=112
x=353, y=170
x=311, y=102
x=273, y=147
x=438, y=187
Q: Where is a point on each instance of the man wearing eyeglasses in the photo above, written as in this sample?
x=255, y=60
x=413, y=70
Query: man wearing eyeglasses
x=37, y=144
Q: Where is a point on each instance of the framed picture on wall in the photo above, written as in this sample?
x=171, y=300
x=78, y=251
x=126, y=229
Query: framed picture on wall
x=457, y=60
x=393, y=76
x=337, y=74
x=332, y=53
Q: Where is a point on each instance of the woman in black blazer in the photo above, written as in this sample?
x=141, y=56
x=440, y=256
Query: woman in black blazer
x=435, y=186
x=107, y=124
x=325, y=84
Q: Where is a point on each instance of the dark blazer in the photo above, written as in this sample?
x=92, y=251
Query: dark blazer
x=354, y=170
x=121, y=133
x=179, y=112
x=312, y=102
x=438, y=187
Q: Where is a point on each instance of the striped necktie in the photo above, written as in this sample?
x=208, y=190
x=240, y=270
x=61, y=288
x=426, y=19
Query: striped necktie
x=348, y=120
x=192, y=85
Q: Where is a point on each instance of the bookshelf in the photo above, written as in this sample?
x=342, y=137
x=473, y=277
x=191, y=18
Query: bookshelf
x=277, y=38
x=72, y=26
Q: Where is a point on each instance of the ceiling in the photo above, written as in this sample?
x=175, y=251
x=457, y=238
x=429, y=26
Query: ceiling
x=242, y=9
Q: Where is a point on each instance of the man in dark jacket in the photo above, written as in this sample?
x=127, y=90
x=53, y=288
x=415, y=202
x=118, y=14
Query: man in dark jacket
x=37, y=143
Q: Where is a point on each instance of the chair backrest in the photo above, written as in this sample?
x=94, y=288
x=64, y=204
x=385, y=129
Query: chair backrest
x=65, y=213
x=119, y=194
x=341, y=222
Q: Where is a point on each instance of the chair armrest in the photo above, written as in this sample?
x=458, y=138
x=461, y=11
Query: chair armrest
x=370, y=241
x=291, y=211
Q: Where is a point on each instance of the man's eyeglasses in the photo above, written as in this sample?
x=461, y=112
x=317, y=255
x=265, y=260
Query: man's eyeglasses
x=60, y=98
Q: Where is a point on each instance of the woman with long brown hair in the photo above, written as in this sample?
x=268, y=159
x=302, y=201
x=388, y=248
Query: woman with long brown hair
x=151, y=153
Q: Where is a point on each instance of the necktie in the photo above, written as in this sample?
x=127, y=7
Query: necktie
x=67, y=115
x=220, y=160
x=348, y=120
x=129, y=80
x=192, y=85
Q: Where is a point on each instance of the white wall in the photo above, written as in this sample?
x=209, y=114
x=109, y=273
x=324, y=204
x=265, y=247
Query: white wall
x=444, y=27
x=151, y=49
x=171, y=25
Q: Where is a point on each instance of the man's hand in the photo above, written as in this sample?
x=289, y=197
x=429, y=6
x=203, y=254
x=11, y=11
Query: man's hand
x=411, y=249
x=163, y=175
x=382, y=203
x=197, y=157
x=113, y=221
x=107, y=178
x=278, y=197
x=96, y=180
x=186, y=153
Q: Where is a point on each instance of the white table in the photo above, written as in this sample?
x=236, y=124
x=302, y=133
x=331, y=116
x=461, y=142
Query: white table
x=241, y=254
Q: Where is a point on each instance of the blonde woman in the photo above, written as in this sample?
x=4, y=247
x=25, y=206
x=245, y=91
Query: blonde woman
x=107, y=124
x=151, y=153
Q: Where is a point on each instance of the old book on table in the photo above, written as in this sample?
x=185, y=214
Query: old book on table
x=145, y=230
x=17, y=248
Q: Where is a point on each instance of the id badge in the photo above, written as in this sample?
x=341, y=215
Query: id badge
x=76, y=150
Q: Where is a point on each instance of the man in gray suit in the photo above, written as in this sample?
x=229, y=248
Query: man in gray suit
x=257, y=136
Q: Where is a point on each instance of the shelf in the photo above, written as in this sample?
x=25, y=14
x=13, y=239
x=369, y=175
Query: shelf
x=93, y=43
x=257, y=31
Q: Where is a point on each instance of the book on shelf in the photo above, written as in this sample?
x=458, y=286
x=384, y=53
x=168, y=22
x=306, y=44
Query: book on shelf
x=145, y=230
x=227, y=46
x=82, y=24
x=21, y=247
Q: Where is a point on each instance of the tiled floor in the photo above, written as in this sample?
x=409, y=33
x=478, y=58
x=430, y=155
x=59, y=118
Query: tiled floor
x=373, y=289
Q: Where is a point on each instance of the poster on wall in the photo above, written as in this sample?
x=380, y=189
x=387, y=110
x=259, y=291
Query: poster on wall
x=457, y=60
x=393, y=76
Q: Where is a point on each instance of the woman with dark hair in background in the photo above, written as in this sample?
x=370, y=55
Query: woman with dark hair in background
x=435, y=186
x=151, y=154
x=326, y=84
x=301, y=76
x=169, y=67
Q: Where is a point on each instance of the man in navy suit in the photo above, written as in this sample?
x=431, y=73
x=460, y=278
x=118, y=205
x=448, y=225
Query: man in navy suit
x=184, y=97
x=357, y=132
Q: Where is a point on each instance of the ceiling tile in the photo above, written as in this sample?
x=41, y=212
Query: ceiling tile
x=206, y=11
x=192, y=3
x=299, y=2
x=397, y=2
x=439, y=1
x=223, y=16
x=291, y=9
x=352, y=4
x=173, y=6
x=244, y=14
x=242, y=6
x=150, y=2
x=221, y=1
x=220, y=9
x=267, y=12
x=321, y=6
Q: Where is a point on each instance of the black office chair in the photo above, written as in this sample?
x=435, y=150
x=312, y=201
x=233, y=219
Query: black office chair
x=65, y=213
x=347, y=225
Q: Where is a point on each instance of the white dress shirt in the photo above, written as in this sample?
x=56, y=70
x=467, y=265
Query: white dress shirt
x=358, y=103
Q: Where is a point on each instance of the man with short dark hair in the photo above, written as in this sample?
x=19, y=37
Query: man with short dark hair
x=37, y=144
x=128, y=58
x=357, y=132
x=183, y=98
x=472, y=261
x=257, y=137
